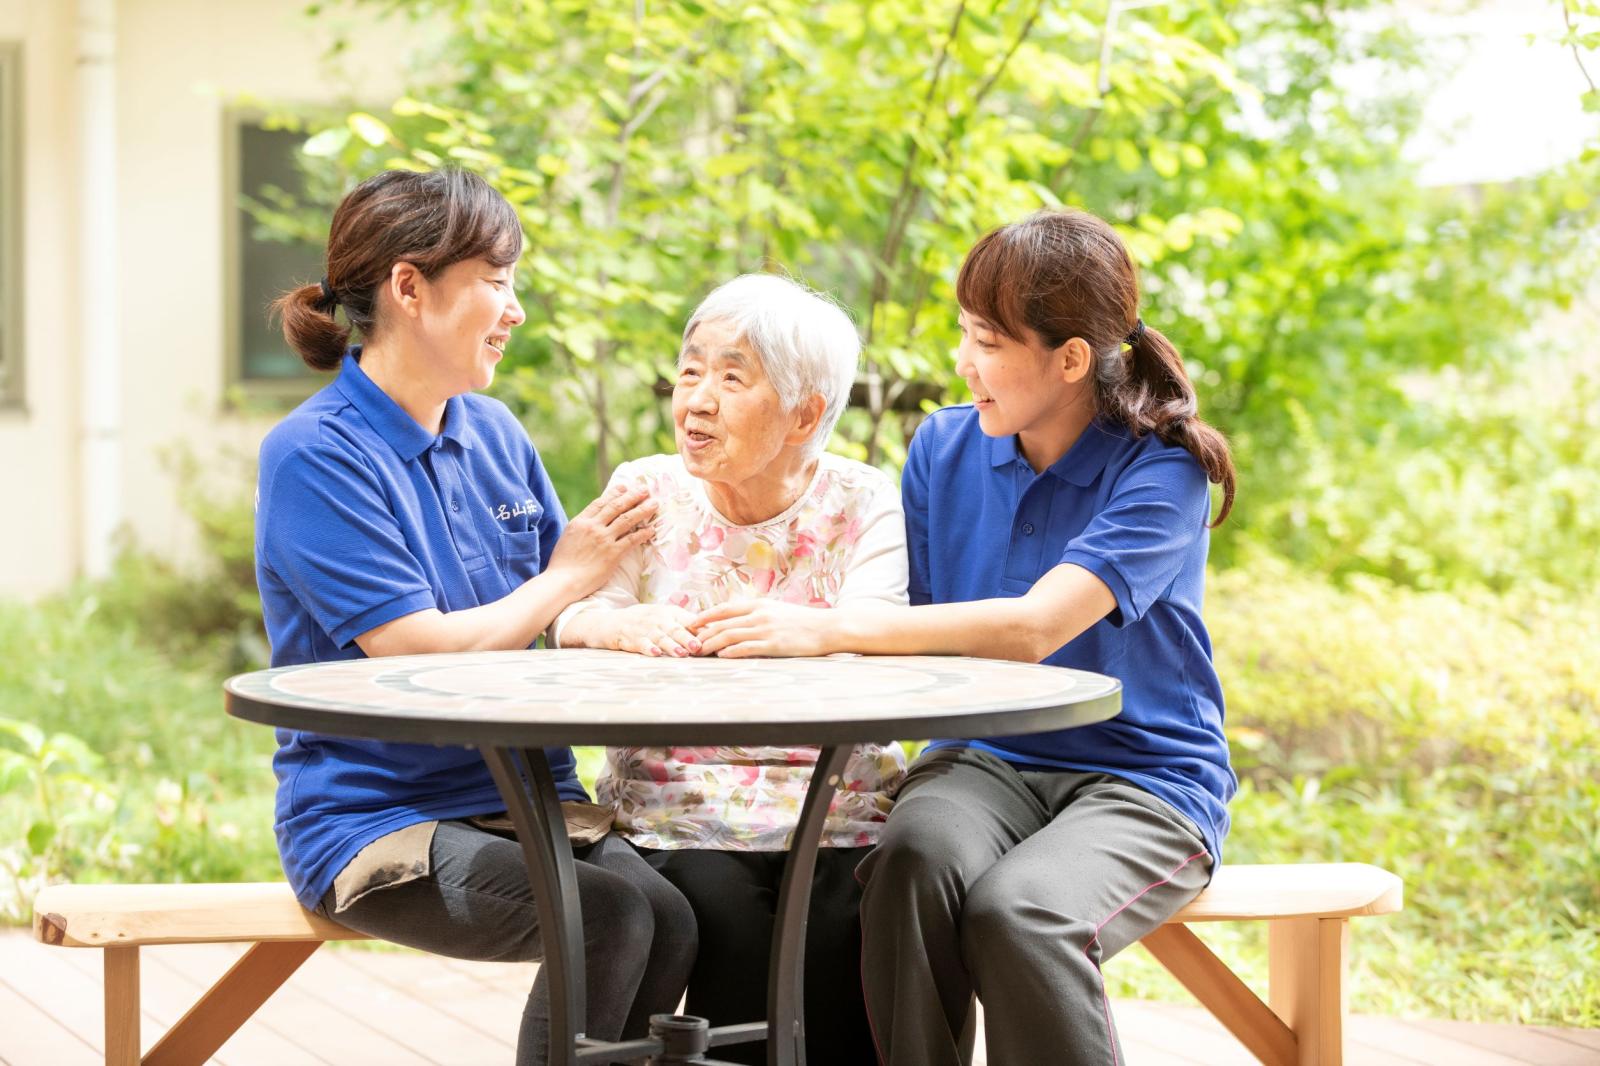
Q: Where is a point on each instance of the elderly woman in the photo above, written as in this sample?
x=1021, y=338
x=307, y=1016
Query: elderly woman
x=751, y=507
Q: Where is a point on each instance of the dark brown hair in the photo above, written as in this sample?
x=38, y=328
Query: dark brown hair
x=430, y=220
x=1064, y=274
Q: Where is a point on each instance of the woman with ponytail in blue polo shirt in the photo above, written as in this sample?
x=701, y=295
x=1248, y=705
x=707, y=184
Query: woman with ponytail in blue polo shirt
x=1061, y=517
x=399, y=512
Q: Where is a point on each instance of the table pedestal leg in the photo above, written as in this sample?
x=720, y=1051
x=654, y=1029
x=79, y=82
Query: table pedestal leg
x=542, y=832
x=786, y=984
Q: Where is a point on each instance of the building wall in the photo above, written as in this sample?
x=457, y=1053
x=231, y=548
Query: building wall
x=179, y=64
x=38, y=443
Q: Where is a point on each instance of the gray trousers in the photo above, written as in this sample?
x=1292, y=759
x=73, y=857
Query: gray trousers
x=1014, y=885
x=475, y=903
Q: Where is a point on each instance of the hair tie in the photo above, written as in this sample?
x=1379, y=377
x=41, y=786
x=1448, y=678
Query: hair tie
x=1135, y=335
x=328, y=295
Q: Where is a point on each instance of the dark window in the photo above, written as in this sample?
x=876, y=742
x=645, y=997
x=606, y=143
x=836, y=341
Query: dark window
x=270, y=252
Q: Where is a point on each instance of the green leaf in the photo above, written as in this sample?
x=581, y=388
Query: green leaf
x=328, y=143
x=1163, y=160
x=722, y=166
x=40, y=836
x=1128, y=158
x=371, y=129
x=30, y=736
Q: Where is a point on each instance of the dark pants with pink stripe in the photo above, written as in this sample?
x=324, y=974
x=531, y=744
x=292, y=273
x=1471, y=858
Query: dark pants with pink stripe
x=1014, y=885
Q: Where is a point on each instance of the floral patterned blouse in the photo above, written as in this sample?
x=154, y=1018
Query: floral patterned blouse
x=842, y=541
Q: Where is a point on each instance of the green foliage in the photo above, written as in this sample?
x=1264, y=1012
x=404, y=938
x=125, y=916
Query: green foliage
x=55, y=783
x=1451, y=738
x=1488, y=482
x=123, y=763
x=1260, y=180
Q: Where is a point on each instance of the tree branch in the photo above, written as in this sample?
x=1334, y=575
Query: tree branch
x=1566, y=16
x=1005, y=60
x=900, y=210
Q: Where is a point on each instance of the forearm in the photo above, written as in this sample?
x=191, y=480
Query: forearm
x=985, y=629
x=1061, y=605
x=512, y=622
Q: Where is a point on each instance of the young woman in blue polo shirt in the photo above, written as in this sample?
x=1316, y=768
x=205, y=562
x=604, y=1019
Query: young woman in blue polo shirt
x=400, y=512
x=1061, y=517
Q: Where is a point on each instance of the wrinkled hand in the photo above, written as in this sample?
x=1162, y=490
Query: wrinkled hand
x=748, y=628
x=645, y=629
x=598, y=536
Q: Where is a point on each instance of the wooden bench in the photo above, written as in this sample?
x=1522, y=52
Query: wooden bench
x=1308, y=905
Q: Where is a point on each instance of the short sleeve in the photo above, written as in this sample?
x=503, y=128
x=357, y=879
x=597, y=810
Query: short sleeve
x=877, y=566
x=1140, y=538
x=914, y=498
x=329, y=534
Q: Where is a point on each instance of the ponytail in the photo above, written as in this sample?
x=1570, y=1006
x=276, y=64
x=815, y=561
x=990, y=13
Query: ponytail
x=309, y=325
x=1149, y=391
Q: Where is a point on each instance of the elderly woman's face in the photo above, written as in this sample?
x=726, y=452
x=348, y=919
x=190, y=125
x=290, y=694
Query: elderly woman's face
x=729, y=422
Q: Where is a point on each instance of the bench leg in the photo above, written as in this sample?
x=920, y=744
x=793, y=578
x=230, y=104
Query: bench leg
x=122, y=1006
x=229, y=1003
x=1221, y=992
x=1306, y=961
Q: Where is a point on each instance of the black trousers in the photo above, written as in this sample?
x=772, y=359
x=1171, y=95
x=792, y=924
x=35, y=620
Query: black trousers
x=475, y=903
x=734, y=896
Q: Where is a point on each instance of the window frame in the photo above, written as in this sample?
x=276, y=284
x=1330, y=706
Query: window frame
x=240, y=390
x=13, y=361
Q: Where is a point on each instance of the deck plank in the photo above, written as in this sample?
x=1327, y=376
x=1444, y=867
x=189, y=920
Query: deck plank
x=1519, y=1043
x=1151, y=1032
x=1589, y=1038
x=328, y=1033
x=347, y=1004
x=33, y=1036
x=430, y=1032
x=477, y=999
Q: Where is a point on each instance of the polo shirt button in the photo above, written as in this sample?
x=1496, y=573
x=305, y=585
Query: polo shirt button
x=1027, y=529
x=455, y=505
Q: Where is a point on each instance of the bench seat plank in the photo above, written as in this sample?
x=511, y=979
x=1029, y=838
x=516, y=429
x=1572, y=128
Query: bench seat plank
x=1295, y=890
x=104, y=915
x=98, y=916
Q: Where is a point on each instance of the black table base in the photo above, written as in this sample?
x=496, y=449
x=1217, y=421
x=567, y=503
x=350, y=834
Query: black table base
x=528, y=788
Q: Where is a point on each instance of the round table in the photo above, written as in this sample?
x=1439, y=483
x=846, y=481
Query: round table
x=510, y=705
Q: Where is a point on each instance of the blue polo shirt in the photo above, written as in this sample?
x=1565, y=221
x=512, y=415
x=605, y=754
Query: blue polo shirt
x=980, y=524
x=362, y=517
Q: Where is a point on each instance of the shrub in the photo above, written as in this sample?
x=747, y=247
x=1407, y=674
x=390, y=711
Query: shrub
x=1451, y=738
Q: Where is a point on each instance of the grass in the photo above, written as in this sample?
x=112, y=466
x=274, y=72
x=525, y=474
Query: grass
x=1450, y=738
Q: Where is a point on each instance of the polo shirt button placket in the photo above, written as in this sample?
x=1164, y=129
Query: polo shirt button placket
x=1027, y=529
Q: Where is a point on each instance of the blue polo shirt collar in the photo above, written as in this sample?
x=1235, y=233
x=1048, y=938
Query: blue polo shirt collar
x=389, y=420
x=1083, y=462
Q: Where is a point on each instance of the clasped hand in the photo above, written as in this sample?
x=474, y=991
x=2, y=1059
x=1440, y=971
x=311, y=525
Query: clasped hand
x=737, y=630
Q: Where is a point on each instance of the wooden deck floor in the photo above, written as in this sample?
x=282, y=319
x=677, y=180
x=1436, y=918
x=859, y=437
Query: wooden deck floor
x=404, y=1008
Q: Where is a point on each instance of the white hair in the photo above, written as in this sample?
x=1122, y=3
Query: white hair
x=806, y=343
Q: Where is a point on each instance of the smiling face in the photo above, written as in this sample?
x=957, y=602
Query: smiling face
x=1011, y=383
x=728, y=420
x=467, y=319
x=1040, y=395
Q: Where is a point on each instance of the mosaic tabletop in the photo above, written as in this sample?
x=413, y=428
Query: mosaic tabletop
x=583, y=696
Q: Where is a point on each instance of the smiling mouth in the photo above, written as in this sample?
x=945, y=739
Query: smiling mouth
x=695, y=436
x=497, y=343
